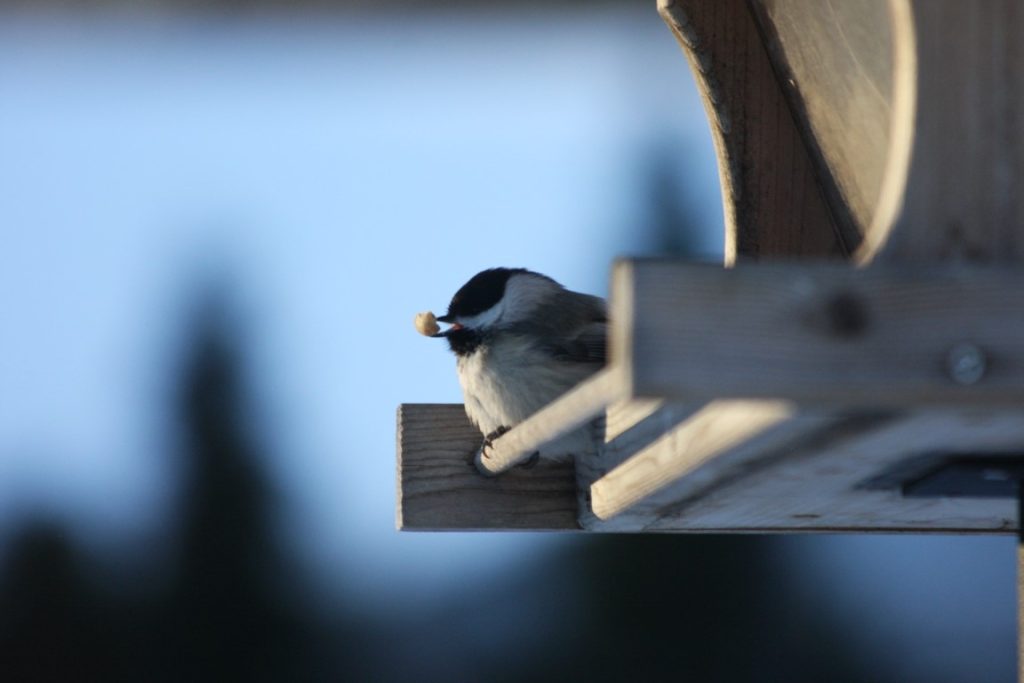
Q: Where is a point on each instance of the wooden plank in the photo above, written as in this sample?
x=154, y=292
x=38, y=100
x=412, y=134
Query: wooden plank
x=956, y=184
x=773, y=201
x=439, y=487
x=835, y=65
x=716, y=429
x=819, y=334
x=815, y=472
x=540, y=431
x=911, y=109
x=1020, y=590
x=628, y=427
x=623, y=416
x=827, y=484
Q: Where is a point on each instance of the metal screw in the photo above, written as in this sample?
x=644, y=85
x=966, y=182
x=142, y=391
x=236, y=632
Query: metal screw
x=992, y=474
x=966, y=363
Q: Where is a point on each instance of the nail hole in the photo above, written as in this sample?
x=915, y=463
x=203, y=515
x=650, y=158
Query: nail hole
x=847, y=316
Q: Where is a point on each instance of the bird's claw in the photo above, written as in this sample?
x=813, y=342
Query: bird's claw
x=489, y=440
x=496, y=433
x=489, y=443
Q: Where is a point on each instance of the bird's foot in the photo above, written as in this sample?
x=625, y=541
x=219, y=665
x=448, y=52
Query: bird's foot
x=503, y=429
x=488, y=444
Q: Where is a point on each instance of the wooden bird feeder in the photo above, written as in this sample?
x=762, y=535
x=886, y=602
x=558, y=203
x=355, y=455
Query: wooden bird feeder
x=858, y=365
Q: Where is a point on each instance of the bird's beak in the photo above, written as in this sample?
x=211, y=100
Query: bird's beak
x=447, y=319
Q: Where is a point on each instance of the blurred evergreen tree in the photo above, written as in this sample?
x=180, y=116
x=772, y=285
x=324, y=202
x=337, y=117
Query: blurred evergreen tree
x=53, y=625
x=692, y=608
x=226, y=611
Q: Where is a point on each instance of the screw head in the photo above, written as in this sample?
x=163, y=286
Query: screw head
x=993, y=474
x=966, y=364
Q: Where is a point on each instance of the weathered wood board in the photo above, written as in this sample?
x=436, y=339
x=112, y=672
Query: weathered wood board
x=774, y=202
x=782, y=470
x=882, y=337
x=439, y=487
x=834, y=62
x=956, y=178
x=825, y=483
x=713, y=430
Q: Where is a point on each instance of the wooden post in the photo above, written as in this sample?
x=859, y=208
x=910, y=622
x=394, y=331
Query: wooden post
x=1020, y=582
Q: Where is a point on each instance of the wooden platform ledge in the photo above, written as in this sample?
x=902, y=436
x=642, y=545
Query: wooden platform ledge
x=757, y=398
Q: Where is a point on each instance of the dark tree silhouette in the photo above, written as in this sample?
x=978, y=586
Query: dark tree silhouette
x=222, y=612
x=226, y=615
x=52, y=624
x=696, y=608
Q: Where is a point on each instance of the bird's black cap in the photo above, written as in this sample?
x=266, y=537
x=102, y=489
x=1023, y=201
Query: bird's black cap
x=481, y=292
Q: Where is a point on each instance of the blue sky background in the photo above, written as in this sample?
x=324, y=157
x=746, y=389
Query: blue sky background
x=338, y=177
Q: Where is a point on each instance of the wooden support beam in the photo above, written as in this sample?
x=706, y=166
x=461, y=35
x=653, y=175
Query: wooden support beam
x=842, y=479
x=808, y=472
x=817, y=471
x=1020, y=582
x=628, y=428
x=440, y=489
x=562, y=416
x=718, y=427
x=884, y=337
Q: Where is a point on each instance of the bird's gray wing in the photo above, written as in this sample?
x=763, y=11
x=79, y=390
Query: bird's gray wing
x=570, y=328
x=584, y=323
x=589, y=346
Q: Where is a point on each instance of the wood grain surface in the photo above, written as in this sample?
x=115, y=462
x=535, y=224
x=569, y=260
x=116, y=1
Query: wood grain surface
x=819, y=334
x=440, y=488
x=773, y=200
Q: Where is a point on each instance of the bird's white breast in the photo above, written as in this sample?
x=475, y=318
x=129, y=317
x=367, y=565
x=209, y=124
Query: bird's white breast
x=506, y=382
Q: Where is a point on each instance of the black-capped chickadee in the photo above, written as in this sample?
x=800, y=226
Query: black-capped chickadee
x=521, y=340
